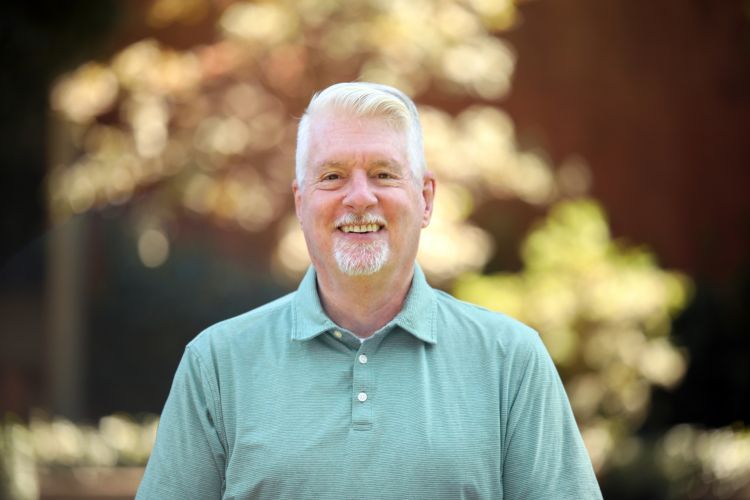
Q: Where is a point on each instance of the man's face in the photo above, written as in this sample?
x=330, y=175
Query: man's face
x=360, y=206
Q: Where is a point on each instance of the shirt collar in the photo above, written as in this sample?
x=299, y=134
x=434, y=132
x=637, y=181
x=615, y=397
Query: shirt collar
x=417, y=316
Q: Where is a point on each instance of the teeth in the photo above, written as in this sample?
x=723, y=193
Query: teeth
x=366, y=228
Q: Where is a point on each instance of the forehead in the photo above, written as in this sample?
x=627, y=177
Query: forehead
x=347, y=139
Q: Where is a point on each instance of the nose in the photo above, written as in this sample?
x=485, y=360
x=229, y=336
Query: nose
x=359, y=193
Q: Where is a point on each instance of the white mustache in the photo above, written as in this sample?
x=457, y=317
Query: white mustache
x=359, y=220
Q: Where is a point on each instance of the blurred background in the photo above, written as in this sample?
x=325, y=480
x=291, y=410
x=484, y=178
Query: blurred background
x=592, y=162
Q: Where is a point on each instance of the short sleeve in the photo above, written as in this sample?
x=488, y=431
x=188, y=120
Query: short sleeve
x=188, y=458
x=544, y=453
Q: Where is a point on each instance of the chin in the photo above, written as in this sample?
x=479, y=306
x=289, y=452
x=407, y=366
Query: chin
x=361, y=259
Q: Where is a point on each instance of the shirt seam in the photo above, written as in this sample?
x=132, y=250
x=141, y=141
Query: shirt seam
x=216, y=400
x=506, y=436
x=295, y=305
x=433, y=319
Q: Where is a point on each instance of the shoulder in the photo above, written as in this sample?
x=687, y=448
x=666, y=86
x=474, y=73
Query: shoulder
x=268, y=321
x=464, y=321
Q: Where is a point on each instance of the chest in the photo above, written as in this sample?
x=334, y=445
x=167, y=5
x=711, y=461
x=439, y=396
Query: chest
x=365, y=424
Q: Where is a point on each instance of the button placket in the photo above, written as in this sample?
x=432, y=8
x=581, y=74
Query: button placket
x=362, y=399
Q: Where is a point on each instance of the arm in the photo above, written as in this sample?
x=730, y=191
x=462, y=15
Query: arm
x=544, y=454
x=188, y=458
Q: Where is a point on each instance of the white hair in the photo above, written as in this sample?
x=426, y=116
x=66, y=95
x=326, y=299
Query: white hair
x=365, y=99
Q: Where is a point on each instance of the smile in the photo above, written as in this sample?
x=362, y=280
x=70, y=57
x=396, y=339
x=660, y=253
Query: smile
x=363, y=228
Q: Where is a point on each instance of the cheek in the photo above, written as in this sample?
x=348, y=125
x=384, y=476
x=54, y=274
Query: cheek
x=316, y=223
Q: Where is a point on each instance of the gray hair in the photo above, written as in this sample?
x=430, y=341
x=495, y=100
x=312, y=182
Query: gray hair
x=365, y=99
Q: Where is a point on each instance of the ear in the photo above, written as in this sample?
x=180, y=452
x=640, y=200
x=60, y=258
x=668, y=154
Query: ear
x=428, y=196
x=297, y=199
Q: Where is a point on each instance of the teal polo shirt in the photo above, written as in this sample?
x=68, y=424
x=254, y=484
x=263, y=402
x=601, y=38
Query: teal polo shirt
x=447, y=401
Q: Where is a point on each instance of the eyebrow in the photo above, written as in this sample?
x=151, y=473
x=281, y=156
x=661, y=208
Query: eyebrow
x=390, y=164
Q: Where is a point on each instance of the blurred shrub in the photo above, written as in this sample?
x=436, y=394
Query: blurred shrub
x=687, y=463
x=700, y=463
x=17, y=465
x=603, y=310
x=118, y=440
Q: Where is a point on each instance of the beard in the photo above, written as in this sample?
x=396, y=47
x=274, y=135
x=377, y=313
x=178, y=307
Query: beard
x=361, y=259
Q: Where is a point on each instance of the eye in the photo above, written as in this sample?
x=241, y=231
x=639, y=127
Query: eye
x=331, y=177
x=384, y=175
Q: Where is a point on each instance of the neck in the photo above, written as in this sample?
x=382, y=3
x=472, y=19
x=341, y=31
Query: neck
x=363, y=304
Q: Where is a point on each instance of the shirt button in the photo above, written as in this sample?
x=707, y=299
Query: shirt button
x=362, y=359
x=362, y=396
x=337, y=334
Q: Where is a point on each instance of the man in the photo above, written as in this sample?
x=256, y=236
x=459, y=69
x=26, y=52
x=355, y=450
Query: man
x=366, y=383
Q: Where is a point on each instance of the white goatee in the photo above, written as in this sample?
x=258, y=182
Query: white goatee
x=360, y=258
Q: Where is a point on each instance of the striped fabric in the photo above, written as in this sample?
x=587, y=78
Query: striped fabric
x=447, y=401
